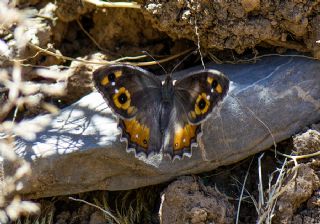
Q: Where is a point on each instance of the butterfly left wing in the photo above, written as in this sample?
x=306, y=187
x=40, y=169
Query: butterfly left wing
x=194, y=98
x=134, y=95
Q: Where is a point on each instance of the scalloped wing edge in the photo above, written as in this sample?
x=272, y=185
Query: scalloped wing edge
x=138, y=152
x=187, y=151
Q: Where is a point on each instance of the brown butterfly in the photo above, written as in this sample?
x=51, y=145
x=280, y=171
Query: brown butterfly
x=157, y=116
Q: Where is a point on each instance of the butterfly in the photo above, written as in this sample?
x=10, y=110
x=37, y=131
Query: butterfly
x=160, y=116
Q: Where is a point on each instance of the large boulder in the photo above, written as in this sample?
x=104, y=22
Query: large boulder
x=80, y=151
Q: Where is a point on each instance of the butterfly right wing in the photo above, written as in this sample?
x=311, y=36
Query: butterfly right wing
x=194, y=99
x=134, y=94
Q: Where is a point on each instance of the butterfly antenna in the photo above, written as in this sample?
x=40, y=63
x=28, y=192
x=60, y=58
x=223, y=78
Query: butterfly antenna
x=145, y=52
x=185, y=58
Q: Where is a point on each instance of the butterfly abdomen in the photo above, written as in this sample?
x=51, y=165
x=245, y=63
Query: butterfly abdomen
x=166, y=103
x=165, y=111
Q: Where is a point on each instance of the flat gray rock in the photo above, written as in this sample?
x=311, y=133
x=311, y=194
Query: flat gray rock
x=80, y=149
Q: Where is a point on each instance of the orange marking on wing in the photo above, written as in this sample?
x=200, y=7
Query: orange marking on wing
x=118, y=73
x=138, y=132
x=197, y=109
x=105, y=81
x=144, y=136
x=192, y=114
x=129, y=124
x=122, y=105
x=219, y=88
x=210, y=80
x=182, y=138
x=131, y=110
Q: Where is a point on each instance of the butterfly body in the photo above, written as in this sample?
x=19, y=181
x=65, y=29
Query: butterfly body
x=166, y=104
x=159, y=116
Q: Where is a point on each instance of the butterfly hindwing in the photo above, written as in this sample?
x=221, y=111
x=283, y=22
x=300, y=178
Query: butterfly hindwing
x=180, y=133
x=194, y=98
x=134, y=95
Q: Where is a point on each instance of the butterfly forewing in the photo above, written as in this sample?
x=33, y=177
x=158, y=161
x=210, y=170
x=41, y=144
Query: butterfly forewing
x=127, y=88
x=200, y=92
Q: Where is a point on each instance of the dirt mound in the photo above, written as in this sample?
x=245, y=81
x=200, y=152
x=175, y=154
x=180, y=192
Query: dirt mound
x=240, y=25
x=188, y=201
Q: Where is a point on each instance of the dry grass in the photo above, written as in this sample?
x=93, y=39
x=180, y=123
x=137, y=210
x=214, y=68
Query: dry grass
x=278, y=182
x=17, y=93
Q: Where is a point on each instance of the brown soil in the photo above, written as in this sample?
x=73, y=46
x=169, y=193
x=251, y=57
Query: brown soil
x=189, y=201
x=223, y=30
x=240, y=25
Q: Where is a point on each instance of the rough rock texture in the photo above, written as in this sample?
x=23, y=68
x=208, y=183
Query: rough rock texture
x=296, y=192
x=187, y=201
x=159, y=25
x=80, y=150
x=309, y=214
x=306, y=143
x=302, y=191
x=139, y=32
x=240, y=25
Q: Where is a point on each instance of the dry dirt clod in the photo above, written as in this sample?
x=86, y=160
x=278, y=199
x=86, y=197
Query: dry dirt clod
x=67, y=13
x=239, y=25
x=297, y=191
x=186, y=201
x=250, y=5
x=307, y=143
x=97, y=218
